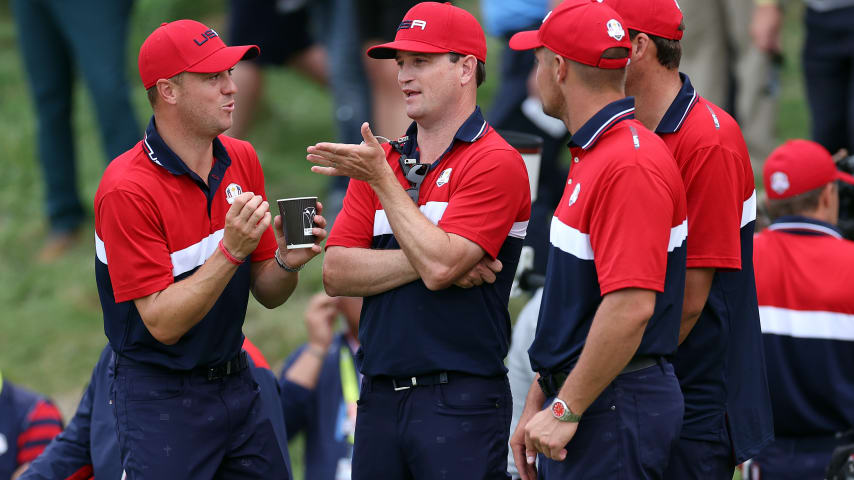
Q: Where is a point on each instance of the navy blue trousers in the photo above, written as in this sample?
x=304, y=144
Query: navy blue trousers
x=183, y=426
x=701, y=460
x=789, y=458
x=457, y=430
x=628, y=431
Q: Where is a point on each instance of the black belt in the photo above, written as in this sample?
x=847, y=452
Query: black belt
x=551, y=384
x=238, y=363
x=405, y=383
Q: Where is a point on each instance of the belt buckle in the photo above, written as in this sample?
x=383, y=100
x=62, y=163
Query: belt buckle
x=405, y=387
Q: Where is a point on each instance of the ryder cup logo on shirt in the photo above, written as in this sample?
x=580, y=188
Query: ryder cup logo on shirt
x=444, y=177
x=615, y=30
x=779, y=182
x=574, y=196
x=231, y=192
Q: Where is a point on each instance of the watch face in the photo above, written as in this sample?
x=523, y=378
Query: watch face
x=558, y=410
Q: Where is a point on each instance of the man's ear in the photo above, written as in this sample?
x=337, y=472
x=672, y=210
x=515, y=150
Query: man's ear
x=168, y=91
x=561, y=68
x=642, y=47
x=469, y=69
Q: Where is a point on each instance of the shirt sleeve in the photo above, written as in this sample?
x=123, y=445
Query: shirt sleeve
x=492, y=195
x=137, y=252
x=354, y=225
x=630, y=230
x=42, y=424
x=714, y=190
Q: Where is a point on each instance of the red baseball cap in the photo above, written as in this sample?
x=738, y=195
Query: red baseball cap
x=431, y=27
x=187, y=46
x=580, y=30
x=661, y=18
x=797, y=167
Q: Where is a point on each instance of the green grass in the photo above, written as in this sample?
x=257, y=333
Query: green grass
x=51, y=328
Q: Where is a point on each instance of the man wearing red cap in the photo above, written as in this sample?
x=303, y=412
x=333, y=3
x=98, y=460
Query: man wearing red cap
x=430, y=234
x=804, y=273
x=182, y=234
x=719, y=364
x=609, y=318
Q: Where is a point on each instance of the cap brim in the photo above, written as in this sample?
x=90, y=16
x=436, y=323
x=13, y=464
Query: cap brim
x=224, y=59
x=390, y=49
x=526, y=40
x=840, y=175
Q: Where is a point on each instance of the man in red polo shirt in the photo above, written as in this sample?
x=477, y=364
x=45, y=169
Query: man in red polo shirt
x=719, y=363
x=435, y=401
x=609, y=318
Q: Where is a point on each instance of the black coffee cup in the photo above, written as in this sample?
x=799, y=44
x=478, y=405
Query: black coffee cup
x=298, y=220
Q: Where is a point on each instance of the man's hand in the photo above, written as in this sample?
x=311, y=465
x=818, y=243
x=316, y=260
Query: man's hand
x=245, y=221
x=548, y=435
x=319, y=318
x=483, y=272
x=297, y=257
x=526, y=460
x=765, y=28
x=364, y=162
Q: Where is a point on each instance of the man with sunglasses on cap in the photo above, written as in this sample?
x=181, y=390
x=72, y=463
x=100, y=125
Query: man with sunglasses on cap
x=720, y=364
x=804, y=273
x=182, y=235
x=430, y=234
x=609, y=319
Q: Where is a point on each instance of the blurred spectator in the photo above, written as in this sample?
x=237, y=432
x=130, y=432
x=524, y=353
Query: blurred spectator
x=828, y=57
x=730, y=70
x=378, y=23
x=516, y=107
x=88, y=447
x=282, y=29
x=519, y=371
x=320, y=386
x=804, y=273
x=57, y=37
x=28, y=422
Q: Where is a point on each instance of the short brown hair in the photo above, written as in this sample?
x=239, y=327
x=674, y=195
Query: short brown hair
x=480, y=70
x=604, y=78
x=669, y=52
x=795, y=205
x=152, y=94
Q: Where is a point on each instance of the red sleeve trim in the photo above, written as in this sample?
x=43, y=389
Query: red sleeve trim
x=646, y=284
x=85, y=473
x=255, y=354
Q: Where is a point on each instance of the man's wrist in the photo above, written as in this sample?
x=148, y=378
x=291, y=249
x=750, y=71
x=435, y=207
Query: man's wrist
x=317, y=350
x=285, y=266
x=562, y=412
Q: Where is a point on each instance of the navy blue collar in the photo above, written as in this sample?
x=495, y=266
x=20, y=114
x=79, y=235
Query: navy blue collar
x=474, y=128
x=675, y=116
x=602, y=121
x=804, y=226
x=160, y=153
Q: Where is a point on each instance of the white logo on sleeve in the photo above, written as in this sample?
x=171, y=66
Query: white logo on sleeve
x=4, y=446
x=779, y=182
x=231, y=192
x=615, y=30
x=574, y=196
x=444, y=177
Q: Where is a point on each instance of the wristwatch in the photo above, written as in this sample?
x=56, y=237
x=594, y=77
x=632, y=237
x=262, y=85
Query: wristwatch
x=561, y=411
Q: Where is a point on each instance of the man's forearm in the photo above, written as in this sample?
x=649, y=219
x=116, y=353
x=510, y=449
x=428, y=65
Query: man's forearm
x=272, y=285
x=698, y=283
x=438, y=257
x=613, y=339
x=361, y=272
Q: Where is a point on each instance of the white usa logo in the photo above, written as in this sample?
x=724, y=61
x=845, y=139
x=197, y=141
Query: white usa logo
x=444, y=177
x=231, y=192
x=779, y=182
x=615, y=30
x=574, y=196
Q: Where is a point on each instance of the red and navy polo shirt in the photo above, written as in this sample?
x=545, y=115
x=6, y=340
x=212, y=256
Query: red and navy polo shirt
x=156, y=223
x=719, y=365
x=804, y=274
x=28, y=423
x=477, y=189
x=621, y=223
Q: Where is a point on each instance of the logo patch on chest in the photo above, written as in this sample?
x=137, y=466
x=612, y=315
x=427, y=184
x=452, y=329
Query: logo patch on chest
x=574, y=196
x=231, y=192
x=444, y=177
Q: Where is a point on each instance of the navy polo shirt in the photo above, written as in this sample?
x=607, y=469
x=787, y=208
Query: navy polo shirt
x=28, y=423
x=720, y=365
x=477, y=189
x=804, y=273
x=621, y=223
x=156, y=223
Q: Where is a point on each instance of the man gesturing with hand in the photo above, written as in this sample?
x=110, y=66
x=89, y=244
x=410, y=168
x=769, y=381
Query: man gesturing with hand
x=182, y=235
